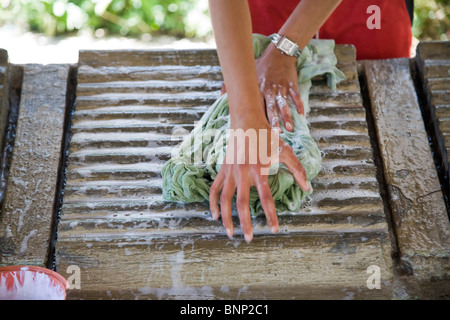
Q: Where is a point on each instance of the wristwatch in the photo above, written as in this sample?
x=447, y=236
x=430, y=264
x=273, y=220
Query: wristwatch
x=286, y=46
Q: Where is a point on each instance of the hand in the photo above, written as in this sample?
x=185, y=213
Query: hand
x=240, y=171
x=277, y=76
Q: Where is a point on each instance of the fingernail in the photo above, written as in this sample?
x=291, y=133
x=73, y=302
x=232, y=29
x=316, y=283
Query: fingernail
x=248, y=237
x=274, y=229
x=288, y=126
x=229, y=233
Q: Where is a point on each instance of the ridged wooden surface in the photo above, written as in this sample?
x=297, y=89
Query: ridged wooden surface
x=433, y=59
x=130, y=106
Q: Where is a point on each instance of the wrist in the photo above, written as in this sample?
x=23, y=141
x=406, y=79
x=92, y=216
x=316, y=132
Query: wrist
x=247, y=114
x=245, y=104
x=277, y=54
x=248, y=119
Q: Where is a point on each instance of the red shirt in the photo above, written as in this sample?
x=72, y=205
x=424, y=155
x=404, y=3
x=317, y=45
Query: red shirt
x=348, y=24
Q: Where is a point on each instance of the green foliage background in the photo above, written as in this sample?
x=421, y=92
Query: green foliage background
x=124, y=17
x=431, y=19
x=181, y=18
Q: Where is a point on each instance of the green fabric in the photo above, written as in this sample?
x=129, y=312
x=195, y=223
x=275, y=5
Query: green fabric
x=188, y=175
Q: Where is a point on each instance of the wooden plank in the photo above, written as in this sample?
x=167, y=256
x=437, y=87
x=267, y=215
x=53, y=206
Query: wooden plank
x=98, y=74
x=117, y=58
x=124, y=126
x=27, y=213
x=434, y=50
x=4, y=93
x=199, y=266
x=418, y=209
x=433, y=64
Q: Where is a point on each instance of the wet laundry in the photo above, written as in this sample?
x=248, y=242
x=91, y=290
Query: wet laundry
x=188, y=175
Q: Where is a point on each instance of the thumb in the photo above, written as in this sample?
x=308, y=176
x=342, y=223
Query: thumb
x=223, y=90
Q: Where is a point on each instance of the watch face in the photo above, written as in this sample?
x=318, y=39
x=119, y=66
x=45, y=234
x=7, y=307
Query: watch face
x=287, y=46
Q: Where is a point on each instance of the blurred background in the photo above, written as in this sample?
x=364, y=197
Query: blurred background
x=52, y=31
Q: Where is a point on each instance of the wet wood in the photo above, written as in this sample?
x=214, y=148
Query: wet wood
x=433, y=62
x=27, y=214
x=4, y=93
x=133, y=58
x=201, y=266
x=129, y=106
x=416, y=199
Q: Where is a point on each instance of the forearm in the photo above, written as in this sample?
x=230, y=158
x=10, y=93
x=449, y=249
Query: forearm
x=279, y=69
x=306, y=19
x=233, y=33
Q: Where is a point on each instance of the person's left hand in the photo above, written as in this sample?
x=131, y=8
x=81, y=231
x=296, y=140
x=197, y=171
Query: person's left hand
x=277, y=76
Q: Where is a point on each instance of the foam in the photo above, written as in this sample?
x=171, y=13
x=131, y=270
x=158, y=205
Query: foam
x=30, y=285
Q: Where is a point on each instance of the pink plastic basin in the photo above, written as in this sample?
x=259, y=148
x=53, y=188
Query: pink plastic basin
x=31, y=283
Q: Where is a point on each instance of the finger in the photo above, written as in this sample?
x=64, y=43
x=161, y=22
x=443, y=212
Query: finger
x=226, y=198
x=242, y=205
x=224, y=89
x=297, y=101
x=214, y=195
x=287, y=156
x=283, y=106
x=271, y=109
x=267, y=203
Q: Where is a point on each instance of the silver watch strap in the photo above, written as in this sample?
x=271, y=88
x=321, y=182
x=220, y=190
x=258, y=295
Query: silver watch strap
x=286, y=46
